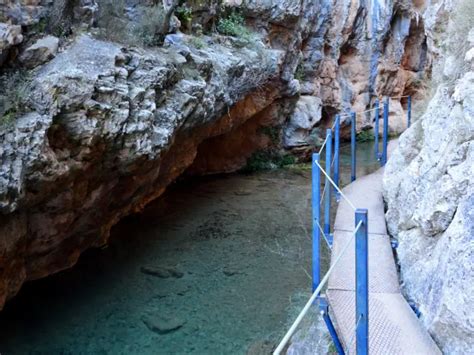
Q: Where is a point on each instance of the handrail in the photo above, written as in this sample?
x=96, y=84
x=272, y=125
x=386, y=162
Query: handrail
x=372, y=109
x=335, y=186
x=315, y=294
x=324, y=143
x=360, y=235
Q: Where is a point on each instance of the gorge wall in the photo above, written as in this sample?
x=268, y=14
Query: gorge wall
x=429, y=190
x=106, y=126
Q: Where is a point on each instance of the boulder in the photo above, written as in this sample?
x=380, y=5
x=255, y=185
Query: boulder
x=40, y=52
x=306, y=116
x=10, y=35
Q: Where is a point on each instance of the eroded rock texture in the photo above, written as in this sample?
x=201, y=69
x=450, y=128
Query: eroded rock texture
x=429, y=189
x=109, y=126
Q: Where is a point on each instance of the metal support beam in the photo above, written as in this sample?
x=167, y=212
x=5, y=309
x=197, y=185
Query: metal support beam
x=377, y=129
x=328, y=187
x=353, y=146
x=337, y=137
x=362, y=283
x=385, y=131
x=324, y=307
x=316, y=199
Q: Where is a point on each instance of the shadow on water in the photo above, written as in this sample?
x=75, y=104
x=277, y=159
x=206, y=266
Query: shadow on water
x=218, y=265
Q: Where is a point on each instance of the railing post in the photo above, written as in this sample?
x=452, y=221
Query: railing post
x=409, y=112
x=376, y=132
x=324, y=307
x=353, y=146
x=362, y=283
x=327, y=202
x=337, y=137
x=316, y=195
x=385, y=130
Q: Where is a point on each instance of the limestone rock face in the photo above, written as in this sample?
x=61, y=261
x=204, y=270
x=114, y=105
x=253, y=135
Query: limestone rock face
x=306, y=115
x=358, y=51
x=110, y=129
x=40, y=52
x=429, y=190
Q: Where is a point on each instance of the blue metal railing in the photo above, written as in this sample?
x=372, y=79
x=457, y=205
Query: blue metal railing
x=377, y=129
x=360, y=232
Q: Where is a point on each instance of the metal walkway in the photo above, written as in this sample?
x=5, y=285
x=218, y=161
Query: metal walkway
x=393, y=326
x=363, y=308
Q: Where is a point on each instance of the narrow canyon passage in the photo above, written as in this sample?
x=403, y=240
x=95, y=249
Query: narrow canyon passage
x=217, y=265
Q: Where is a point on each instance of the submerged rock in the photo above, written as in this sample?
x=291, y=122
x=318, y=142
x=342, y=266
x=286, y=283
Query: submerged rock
x=163, y=325
x=162, y=272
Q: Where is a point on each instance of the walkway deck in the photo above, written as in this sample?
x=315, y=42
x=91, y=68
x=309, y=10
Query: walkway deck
x=393, y=326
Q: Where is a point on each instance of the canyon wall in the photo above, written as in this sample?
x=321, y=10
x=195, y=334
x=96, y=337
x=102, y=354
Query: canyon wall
x=429, y=190
x=107, y=126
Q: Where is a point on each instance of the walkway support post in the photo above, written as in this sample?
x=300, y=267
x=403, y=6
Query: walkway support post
x=409, y=112
x=337, y=136
x=385, y=130
x=362, y=283
x=324, y=307
x=316, y=199
x=353, y=146
x=327, y=202
x=376, y=132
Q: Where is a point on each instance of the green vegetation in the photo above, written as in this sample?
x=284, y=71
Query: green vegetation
x=299, y=73
x=273, y=132
x=197, y=42
x=185, y=15
x=268, y=159
x=13, y=98
x=234, y=25
x=365, y=136
x=153, y=25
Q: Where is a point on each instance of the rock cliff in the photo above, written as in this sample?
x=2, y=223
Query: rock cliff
x=107, y=125
x=429, y=190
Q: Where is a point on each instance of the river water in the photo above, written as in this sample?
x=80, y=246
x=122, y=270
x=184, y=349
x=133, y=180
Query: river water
x=217, y=265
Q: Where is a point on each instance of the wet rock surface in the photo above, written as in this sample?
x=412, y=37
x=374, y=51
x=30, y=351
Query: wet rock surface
x=163, y=325
x=162, y=272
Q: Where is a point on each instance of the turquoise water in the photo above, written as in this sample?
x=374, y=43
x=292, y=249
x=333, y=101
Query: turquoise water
x=218, y=265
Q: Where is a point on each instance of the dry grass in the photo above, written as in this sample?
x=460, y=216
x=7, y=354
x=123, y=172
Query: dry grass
x=13, y=96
